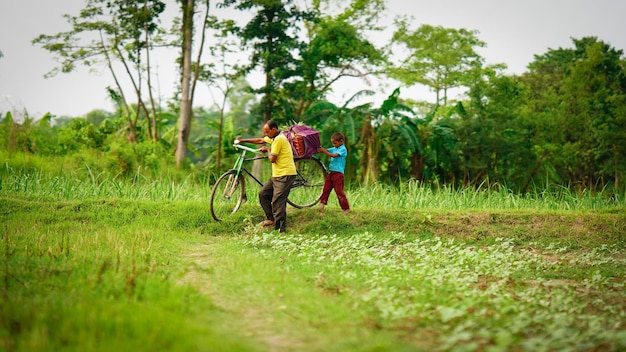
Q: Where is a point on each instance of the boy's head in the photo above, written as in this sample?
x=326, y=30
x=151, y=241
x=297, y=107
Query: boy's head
x=337, y=139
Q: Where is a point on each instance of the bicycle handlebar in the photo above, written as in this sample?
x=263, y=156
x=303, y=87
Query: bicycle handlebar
x=236, y=145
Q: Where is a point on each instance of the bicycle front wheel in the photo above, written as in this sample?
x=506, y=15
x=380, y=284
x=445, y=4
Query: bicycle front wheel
x=228, y=193
x=306, y=190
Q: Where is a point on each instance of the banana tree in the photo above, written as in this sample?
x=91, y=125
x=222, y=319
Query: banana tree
x=389, y=140
x=380, y=140
x=329, y=118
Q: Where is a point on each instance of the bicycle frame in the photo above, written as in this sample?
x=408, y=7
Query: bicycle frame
x=242, y=158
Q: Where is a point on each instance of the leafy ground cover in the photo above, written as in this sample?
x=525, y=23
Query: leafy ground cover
x=110, y=273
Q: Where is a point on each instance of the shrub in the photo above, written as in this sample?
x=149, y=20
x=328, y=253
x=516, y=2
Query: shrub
x=121, y=159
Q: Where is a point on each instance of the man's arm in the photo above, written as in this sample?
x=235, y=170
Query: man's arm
x=252, y=140
x=278, y=146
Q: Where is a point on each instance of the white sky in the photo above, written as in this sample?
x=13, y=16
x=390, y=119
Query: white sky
x=514, y=31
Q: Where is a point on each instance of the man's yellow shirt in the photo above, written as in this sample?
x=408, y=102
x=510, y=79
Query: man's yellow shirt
x=284, y=165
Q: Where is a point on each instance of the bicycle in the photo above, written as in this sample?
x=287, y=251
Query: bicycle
x=229, y=191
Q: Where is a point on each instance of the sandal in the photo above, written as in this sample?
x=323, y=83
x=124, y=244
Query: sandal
x=267, y=223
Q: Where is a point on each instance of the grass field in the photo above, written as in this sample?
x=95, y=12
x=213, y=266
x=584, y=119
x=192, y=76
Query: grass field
x=102, y=265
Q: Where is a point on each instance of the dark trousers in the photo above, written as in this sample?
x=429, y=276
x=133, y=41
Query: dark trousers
x=334, y=180
x=273, y=197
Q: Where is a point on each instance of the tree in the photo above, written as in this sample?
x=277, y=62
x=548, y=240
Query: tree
x=380, y=139
x=441, y=59
x=495, y=135
x=336, y=48
x=578, y=99
x=330, y=118
x=96, y=117
x=184, y=120
x=437, y=57
x=190, y=72
x=390, y=139
x=597, y=84
x=114, y=32
x=222, y=73
x=273, y=36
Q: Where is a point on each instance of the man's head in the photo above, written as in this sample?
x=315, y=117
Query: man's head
x=271, y=129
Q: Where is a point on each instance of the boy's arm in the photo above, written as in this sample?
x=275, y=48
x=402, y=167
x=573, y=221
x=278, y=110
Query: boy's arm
x=323, y=150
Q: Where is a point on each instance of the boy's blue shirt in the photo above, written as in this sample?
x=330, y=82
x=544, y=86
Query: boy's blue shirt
x=338, y=163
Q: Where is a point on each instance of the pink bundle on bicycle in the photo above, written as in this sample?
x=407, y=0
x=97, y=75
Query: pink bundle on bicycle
x=304, y=140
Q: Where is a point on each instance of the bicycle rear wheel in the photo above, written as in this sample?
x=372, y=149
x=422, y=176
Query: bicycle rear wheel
x=227, y=195
x=306, y=190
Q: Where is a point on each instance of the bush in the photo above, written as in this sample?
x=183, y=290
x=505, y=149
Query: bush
x=121, y=159
x=79, y=134
x=151, y=155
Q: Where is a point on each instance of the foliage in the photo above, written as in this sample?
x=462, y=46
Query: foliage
x=272, y=35
x=113, y=32
x=337, y=48
x=89, y=174
x=223, y=73
x=560, y=124
x=439, y=58
x=496, y=141
x=75, y=151
x=579, y=95
x=462, y=292
x=329, y=118
x=300, y=69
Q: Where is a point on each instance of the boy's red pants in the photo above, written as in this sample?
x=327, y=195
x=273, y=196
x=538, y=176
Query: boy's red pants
x=334, y=180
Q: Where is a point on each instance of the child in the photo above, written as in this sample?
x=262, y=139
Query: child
x=337, y=165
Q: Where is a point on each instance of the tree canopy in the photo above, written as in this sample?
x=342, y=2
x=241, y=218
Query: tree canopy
x=562, y=122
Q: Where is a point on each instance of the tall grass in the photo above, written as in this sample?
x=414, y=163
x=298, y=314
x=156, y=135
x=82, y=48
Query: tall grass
x=413, y=195
x=85, y=183
x=101, y=276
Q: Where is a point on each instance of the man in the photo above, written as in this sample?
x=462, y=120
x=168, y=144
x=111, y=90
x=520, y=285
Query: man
x=273, y=195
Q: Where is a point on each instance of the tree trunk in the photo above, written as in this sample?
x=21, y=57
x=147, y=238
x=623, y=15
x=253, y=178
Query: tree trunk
x=184, y=121
x=132, y=136
x=218, y=156
x=417, y=166
x=132, y=132
x=152, y=118
x=369, y=162
x=268, y=98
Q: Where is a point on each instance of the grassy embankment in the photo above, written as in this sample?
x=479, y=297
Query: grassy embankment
x=96, y=264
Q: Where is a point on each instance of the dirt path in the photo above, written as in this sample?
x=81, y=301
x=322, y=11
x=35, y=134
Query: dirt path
x=241, y=313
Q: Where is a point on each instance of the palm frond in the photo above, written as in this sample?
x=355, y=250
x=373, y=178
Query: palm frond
x=358, y=95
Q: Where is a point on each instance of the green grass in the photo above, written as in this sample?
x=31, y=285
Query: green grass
x=99, y=264
x=37, y=178
x=100, y=276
